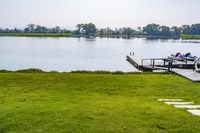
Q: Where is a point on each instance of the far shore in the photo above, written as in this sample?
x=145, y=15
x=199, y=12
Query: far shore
x=183, y=36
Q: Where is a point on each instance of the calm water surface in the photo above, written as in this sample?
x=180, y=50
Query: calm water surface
x=67, y=54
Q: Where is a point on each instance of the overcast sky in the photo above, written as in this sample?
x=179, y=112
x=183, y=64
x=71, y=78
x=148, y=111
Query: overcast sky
x=104, y=13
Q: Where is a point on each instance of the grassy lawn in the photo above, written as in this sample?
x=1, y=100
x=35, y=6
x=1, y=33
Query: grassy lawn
x=95, y=103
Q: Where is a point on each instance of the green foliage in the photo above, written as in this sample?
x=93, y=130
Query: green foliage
x=59, y=102
x=152, y=29
x=157, y=30
x=195, y=29
x=89, y=29
x=175, y=31
x=86, y=29
x=118, y=72
x=31, y=70
x=5, y=71
x=185, y=29
x=165, y=31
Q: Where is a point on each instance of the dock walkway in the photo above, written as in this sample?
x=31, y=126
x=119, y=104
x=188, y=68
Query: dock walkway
x=188, y=73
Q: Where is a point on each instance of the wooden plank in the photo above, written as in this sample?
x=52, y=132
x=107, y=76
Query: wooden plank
x=188, y=73
x=182, y=63
x=137, y=60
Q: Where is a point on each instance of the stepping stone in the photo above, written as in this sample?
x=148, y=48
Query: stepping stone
x=170, y=100
x=187, y=106
x=194, y=112
x=179, y=103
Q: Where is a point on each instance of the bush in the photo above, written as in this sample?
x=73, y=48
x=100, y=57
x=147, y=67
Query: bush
x=119, y=72
x=31, y=70
x=5, y=71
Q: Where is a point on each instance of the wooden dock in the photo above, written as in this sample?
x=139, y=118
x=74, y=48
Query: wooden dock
x=143, y=64
x=182, y=68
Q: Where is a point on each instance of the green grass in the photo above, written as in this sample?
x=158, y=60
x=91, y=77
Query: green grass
x=94, y=103
x=37, y=34
x=186, y=36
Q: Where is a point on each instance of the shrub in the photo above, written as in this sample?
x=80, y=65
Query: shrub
x=31, y=70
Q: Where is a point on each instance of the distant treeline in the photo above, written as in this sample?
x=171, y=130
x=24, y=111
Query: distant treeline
x=151, y=31
x=155, y=30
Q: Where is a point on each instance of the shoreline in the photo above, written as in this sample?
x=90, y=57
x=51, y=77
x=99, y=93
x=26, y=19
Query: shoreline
x=68, y=35
x=36, y=70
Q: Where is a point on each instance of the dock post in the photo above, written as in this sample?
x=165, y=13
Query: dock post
x=169, y=66
x=153, y=63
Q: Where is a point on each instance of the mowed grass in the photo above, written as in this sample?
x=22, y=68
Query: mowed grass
x=95, y=103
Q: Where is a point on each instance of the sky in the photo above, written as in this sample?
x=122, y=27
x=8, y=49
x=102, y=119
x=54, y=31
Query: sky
x=103, y=13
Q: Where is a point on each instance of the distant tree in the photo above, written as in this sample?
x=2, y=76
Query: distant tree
x=195, y=29
x=6, y=30
x=38, y=29
x=26, y=30
x=16, y=30
x=89, y=29
x=31, y=27
x=108, y=31
x=101, y=32
x=152, y=29
x=56, y=29
x=41, y=29
x=175, y=31
x=165, y=31
x=128, y=31
x=185, y=29
x=79, y=27
x=117, y=32
x=65, y=31
x=139, y=29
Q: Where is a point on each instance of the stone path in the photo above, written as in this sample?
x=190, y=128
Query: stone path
x=194, y=112
x=170, y=100
x=180, y=103
x=188, y=106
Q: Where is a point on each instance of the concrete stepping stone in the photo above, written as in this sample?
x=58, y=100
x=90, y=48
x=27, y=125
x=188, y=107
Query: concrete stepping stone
x=179, y=103
x=194, y=112
x=170, y=100
x=187, y=106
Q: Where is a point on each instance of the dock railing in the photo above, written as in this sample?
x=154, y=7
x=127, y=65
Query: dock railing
x=154, y=62
x=160, y=63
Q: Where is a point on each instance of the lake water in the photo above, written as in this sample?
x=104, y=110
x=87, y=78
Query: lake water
x=67, y=54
